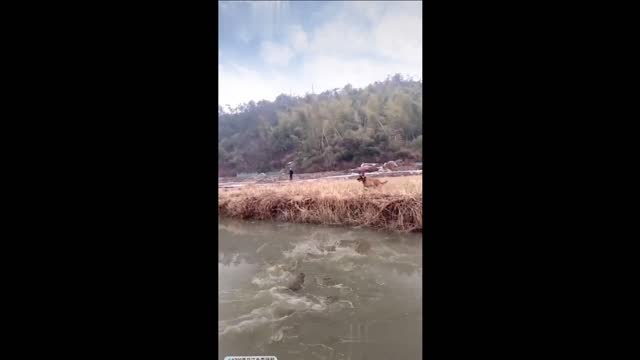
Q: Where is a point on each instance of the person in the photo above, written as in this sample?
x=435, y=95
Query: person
x=290, y=174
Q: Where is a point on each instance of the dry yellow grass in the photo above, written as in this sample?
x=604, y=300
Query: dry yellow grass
x=396, y=205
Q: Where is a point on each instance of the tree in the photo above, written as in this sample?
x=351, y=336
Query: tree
x=332, y=130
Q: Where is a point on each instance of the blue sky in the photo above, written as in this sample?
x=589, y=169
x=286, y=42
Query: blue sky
x=271, y=47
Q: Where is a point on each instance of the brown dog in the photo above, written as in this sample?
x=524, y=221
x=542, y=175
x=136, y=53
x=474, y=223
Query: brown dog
x=370, y=183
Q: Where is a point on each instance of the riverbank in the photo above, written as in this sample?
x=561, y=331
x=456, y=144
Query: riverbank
x=395, y=206
x=233, y=183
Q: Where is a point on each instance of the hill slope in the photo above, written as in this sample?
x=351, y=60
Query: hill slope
x=333, y=130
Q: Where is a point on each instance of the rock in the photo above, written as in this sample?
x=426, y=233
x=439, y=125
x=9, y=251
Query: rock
x=365, y=169
x=297, y=283
x=280, y=313
x=332, y=299
x=328, y=281
x=390, y=165
x=363, y=247
x=368, y=164
x=346, y=243
x=327, y=248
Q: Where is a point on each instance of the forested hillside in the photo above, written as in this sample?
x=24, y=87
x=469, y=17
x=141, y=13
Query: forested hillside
x=334, y=130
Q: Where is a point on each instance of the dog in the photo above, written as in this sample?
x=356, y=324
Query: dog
x=370, y=183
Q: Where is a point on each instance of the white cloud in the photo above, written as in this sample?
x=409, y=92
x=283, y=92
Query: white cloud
x=241, y=85
x=328, y=72
x=370, y=10
x=244, y=35
x=298, y=38
x=238, y=84
x=362, y=43
x=269, y=15
x=275, y=54
x=399, y=36
x=393, y=31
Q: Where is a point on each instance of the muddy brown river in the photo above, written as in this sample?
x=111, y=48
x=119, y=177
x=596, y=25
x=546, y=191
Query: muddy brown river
x=361, y=297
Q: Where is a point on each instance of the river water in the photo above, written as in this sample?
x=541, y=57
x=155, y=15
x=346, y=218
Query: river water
x=361, y=297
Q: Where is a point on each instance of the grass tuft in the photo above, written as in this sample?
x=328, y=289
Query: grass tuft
x=396, y=206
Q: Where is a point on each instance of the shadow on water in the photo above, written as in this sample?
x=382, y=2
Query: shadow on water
x=360, y=299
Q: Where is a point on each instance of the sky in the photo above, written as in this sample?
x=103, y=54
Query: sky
x=267, y=48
